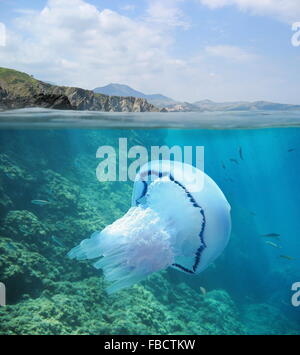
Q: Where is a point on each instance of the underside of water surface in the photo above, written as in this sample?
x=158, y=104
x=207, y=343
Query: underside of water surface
x=245, y=291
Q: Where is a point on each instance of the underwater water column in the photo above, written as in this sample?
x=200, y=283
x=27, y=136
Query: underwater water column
x=258, y=170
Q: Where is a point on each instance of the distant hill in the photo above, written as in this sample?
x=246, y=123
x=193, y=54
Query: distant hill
x=125, y=90
x=211, y=106
x=20, y=90
x=208, y=105
x=171, y=105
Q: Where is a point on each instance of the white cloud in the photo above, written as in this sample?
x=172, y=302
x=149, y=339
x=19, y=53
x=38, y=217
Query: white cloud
x=2, y=35
x=73, y=42
x=25, y=11
x=128, y=7
x=232, y=53
x=167, y=13
x=285, y=10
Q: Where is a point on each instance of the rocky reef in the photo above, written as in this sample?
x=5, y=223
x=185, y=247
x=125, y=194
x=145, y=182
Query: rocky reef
x=82, y=307
x=20, y=90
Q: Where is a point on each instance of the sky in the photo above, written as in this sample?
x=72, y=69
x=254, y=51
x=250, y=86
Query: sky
x=189, y=50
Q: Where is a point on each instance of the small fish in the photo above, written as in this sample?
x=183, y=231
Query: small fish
x=57, y=241
x=273, y=245
x=241, y=153
x=291, y=150
x=233, y=160
x=223, y=166
x=271, y=235
x=40, y=202
x=203, y=291
x=287, y=257
x=252, y=213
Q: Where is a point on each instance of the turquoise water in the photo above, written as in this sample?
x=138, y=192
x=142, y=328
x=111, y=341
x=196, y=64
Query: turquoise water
x=246, y=290
x=264, y=193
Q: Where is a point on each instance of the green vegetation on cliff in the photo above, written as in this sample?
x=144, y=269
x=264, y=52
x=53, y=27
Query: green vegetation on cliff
x=20, y=83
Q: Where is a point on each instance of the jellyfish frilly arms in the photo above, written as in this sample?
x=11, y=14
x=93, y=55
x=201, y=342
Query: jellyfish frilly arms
x=179, y=218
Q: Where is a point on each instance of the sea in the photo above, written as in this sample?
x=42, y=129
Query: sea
x=51, y=198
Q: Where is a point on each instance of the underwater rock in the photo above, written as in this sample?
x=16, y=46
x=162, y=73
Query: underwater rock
x=215, y=313
x=23, y=225
x=62, y=193
x=219, y=314
x=83, y=308
x=14, y=178
x=5, y=201
x=15, y=182
x=23, y=270
x=39, y=316
x=10, y=171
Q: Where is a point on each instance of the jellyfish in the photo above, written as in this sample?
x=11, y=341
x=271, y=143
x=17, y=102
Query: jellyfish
x=178, y=218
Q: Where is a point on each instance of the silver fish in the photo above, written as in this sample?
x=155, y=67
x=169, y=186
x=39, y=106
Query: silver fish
x=273, y=245
x=203, y=291
x=40, y=202
x=57, y=241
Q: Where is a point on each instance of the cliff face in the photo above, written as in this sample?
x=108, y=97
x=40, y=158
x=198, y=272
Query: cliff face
x=20, y=90
x=87, y=100
x=10, y=101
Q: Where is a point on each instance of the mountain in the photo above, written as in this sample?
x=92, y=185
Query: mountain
x=208, y=105
x=211, y=106
x=125, y=90
x=119, y=90
x=171, y=105
x=20, y=90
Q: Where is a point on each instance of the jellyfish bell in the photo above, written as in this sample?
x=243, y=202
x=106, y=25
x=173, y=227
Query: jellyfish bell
x=179, y=218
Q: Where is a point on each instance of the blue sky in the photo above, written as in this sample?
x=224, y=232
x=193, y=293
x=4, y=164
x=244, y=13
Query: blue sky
x=224, y=50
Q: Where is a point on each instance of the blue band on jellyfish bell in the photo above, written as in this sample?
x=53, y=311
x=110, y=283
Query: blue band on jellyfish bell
x=183, y=268
x=145, y=189
x=196, y=205
x=201, y=234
